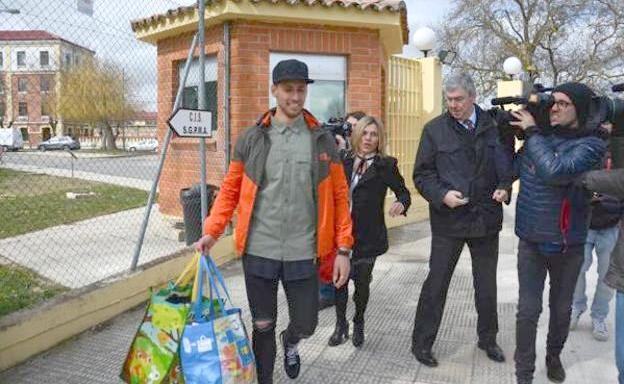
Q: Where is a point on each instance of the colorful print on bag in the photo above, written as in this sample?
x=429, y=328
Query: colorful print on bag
x=151, y=357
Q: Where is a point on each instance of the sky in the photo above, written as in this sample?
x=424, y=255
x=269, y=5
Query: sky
x=108, y=31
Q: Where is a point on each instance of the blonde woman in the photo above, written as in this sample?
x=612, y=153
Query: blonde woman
x=370, y=172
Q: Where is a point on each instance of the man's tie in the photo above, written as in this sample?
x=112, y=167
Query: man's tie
x=469, y=125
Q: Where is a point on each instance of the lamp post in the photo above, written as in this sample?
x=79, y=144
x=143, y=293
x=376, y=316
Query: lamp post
x=512, y=66
x=424, y=39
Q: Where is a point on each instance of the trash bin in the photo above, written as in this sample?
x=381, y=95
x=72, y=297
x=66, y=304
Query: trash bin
x=191, y=208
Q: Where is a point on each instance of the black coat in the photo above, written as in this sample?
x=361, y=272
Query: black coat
x=367, y=212
x=475, y=164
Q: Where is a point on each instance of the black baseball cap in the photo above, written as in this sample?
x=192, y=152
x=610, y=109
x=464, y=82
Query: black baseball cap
x=291, y=70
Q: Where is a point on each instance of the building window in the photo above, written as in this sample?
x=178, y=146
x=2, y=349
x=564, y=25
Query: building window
x=44, y=84
x=1, y=86
x=22, y=84
x=1, y=59
x=45, y=108
x=2, y=109
x=22, y=109
x=327, y=95
x=21, y=58
x=67, y=59
x=44, y=58
x=24, y=132
x=190, y=99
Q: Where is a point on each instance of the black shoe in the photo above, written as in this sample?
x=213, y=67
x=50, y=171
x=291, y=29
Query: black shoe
x=493, y=352
x=524, y=381
x=292, y=361
x=358, y=334
x=425, y=357
x=554, y=369
x=340, y=335
x=326, y=303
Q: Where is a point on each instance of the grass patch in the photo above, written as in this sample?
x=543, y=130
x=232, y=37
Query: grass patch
x=20, y=288
x=30, y=202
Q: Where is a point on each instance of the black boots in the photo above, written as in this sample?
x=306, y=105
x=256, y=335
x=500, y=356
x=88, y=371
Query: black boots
x=340, y=335
x=554, y=369
x=358, y=334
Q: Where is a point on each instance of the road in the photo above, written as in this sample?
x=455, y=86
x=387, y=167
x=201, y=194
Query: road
x=142, y=167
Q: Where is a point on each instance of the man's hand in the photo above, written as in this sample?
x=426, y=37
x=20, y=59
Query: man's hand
x=607, y=126
x=500, y=195
x=204, y=244
x=342, y=265
x=525, y=119
x=454, y=199
x=341, y=142
x=396, y=209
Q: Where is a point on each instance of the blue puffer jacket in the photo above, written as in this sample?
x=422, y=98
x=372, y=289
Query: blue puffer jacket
x=552, y=210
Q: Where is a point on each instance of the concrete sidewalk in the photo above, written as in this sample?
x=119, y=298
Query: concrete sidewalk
x=97, y=355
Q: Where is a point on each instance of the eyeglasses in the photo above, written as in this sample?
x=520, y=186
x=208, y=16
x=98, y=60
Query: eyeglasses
x=562, y=104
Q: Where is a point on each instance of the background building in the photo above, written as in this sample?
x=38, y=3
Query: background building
x=31, y=62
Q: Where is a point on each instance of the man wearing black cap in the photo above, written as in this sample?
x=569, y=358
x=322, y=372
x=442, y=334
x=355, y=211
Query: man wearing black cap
x=287, y=180
x=551, y=221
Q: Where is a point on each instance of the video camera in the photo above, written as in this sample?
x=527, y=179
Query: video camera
x=540, y=101
x=339, y=126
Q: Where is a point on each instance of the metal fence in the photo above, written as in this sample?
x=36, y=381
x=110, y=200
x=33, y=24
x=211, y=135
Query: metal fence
x=78, y=101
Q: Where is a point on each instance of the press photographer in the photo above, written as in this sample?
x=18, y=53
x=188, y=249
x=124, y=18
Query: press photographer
x=551, y=216
x=341, y=128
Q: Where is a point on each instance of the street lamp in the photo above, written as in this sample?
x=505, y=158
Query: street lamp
x=424, y=39
x=512, y=66
x=12, y=11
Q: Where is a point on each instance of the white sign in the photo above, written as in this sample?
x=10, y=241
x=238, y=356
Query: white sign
x=191, y=123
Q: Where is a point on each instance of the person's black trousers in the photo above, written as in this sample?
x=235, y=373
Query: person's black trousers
x=361, y=273
x=445, y=253
x=563, y=269
x=302, y=298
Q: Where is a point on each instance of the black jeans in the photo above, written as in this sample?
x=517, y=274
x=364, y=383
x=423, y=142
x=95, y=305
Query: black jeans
x=361, y=273
x=445, y=253
x=302, y=298
x=563, y=269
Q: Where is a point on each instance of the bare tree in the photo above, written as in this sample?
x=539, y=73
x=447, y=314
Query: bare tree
x=95, y=93
x=556, y=40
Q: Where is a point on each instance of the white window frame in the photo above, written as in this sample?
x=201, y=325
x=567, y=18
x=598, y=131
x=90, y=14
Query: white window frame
x=17, y=58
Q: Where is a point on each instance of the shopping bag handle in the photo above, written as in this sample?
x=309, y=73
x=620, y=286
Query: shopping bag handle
x=216, y=272
x=184, y=276
x=205, y=271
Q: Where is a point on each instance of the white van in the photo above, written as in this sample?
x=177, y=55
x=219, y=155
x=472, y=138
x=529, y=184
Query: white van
x=11, y=139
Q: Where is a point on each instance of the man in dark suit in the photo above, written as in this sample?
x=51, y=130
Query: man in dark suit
x=465, y=174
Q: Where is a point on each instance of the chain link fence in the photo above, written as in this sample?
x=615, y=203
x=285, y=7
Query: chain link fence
x=80, y=145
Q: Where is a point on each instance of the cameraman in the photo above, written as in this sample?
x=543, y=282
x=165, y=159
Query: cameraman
x=551, y=221
x=612, y=183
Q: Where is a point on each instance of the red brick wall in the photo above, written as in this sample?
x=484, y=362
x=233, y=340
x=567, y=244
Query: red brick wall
x=33, y=98
x=251, y=45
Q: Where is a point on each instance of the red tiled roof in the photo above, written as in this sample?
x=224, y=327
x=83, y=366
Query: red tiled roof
x=377, y=5
x=34, y=35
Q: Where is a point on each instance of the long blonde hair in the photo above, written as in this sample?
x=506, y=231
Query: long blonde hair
x=358, y=132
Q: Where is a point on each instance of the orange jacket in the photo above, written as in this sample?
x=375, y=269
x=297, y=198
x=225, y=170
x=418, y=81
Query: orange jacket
x=240, y=187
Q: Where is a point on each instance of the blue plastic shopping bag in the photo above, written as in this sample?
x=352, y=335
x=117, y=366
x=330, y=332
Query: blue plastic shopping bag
x=215, y=348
